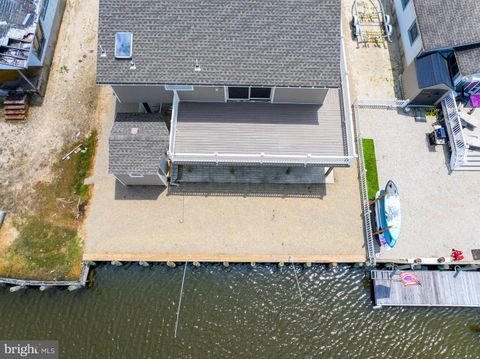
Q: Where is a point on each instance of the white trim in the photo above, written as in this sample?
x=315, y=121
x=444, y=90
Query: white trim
x=225, y=92
x=179, y=87
x=163, y=178
x=217, y=85
x=119, y=180
x=173, y=123
x=136, y=175
x=273, y=94
x=116, y=96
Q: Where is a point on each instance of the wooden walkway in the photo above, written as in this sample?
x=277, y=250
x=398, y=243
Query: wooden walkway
x=437, y=288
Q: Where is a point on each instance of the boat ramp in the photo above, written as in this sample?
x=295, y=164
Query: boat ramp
x=432, y=288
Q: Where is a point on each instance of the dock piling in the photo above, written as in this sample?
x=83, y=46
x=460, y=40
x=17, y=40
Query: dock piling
x=171, y=264
x=196, y=264
x=144, y=264
x=116, y=263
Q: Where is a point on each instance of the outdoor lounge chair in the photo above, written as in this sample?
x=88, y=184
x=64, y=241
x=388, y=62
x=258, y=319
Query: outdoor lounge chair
x=473, y=142
x=468, y=120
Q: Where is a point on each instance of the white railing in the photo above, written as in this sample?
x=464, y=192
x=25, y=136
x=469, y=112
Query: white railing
x=455, y=132
x=367, y=219
x=173, y=123
x=347, y=109
x=382, y=104
x=261, y=158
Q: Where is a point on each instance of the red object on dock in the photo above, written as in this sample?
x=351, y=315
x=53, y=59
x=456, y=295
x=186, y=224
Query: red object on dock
x=457, y=255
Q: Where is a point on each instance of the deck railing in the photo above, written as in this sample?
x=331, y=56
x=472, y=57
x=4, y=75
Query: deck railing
x=455, y=132
x=261, y=158
x=346, y=103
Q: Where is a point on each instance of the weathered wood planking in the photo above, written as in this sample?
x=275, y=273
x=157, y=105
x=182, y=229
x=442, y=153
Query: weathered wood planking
x=438, y=288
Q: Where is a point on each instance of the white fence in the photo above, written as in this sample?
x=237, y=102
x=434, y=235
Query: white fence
x=381, y=104
x=366, y=214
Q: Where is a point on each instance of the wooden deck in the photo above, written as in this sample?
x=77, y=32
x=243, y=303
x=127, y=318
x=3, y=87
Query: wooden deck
x=437, y=288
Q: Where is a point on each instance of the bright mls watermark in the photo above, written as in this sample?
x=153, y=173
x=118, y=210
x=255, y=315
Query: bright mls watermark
x=29, y=349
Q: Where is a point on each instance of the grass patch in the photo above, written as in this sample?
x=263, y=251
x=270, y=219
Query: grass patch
x=370, y=166
x=48, y=245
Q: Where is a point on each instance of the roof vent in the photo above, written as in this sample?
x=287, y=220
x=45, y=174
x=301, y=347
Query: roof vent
x=197, y=66
x=123, y=45
x=103, y=53
x=134, y=130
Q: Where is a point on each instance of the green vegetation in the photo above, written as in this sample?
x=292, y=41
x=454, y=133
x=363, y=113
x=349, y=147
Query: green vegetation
x=370, y=166
x=48, y=245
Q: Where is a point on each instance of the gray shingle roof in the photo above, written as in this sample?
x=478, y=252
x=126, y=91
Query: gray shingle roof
x=448, y=23
x=468, y=60
x=237, y=42
x=432, y=70
x=140, y=152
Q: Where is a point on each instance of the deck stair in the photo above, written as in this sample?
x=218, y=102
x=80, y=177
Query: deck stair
x=16, y=107
x=382, y=274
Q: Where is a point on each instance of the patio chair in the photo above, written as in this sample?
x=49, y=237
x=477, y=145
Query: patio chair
x=473, y=142
x=468, y=120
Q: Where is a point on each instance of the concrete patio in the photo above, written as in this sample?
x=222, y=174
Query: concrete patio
x=237, y=223
x=440, y=210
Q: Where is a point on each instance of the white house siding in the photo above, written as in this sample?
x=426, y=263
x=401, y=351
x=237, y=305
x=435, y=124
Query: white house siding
x=300, y=96
x=405, y=19
x=203, y=94
x=137, y=94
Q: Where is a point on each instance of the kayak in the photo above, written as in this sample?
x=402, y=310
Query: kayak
x=388, y=215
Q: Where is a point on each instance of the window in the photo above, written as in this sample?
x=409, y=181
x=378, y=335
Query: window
x=123, y=45
x=43, y=12
x=238, y=93
x=136, y=175
x=405, y=3
x=262, y=93
x=39, y=40
x=249, y=93
x=413, y=32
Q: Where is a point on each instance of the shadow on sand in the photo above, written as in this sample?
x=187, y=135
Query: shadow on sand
x=137, y=193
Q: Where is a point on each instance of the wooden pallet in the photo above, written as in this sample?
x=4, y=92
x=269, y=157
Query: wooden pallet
x=16, y=107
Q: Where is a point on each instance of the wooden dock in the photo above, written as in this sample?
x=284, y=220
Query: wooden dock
x=436, y=288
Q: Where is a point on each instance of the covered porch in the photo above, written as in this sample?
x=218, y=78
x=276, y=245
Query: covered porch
x=252, y=133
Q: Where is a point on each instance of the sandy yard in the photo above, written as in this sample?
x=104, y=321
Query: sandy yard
x=147, y=223
x=66, y=114
x=373, y=70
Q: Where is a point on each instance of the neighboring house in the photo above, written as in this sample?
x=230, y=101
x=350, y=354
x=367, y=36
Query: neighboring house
x=28, y=33
x=256, y=85
x=441, y=48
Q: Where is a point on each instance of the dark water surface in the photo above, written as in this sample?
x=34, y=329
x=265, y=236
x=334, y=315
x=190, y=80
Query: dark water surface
x=234, y=312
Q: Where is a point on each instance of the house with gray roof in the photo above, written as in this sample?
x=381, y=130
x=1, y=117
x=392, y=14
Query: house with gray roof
x=28, y=34
x=257, y=84
x=441, y=48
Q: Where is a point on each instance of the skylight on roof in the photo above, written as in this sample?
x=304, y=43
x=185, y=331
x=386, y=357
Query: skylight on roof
x=123, y=45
